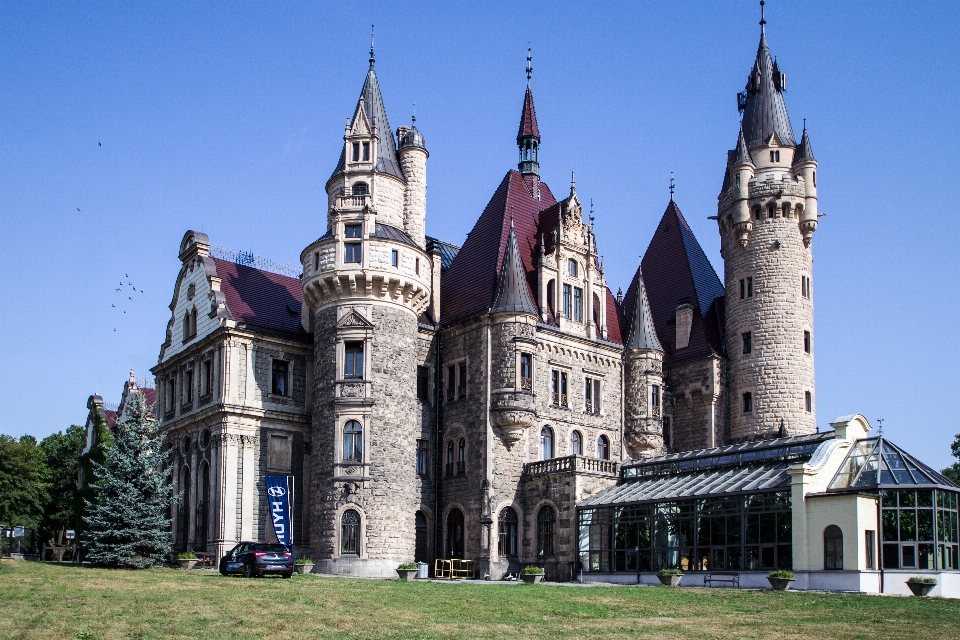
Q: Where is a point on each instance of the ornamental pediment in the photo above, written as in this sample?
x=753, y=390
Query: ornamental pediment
x=353, y=319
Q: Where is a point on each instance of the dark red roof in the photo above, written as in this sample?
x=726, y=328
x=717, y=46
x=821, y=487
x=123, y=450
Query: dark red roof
x=676, y=271
x=528, y=118
x=614, y=320
x=261, y=298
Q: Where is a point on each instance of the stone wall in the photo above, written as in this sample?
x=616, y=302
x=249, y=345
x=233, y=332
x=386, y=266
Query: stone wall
x=695, y=404
x=413, y=161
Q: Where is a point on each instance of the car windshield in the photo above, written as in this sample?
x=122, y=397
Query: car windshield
x=270, y=548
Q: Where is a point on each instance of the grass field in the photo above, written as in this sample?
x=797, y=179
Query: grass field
x=47, y=601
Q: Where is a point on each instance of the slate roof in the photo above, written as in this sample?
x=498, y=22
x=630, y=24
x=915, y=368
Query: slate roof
x=447, y=251
x=675, y=271
x=804, y=150
x=387, y=148
x=765, y=112
x=528, y=118
x=388, y=232
x=261, y=298
x=642, y=334
x=513, y=292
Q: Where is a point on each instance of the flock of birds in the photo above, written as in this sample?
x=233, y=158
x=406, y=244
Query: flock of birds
x=125, y=289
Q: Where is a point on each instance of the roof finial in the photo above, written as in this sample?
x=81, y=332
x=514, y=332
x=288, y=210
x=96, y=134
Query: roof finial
x=763, y=21
x=880, y=425
x=671, y=186
x=529, y=64
x=372, y=57
x=573, y=183
x=414, y=118
x=804, y=124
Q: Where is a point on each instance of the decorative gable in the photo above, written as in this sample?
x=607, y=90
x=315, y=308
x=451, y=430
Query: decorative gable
x=354, y=320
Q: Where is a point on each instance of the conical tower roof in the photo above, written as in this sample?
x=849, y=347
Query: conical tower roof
x=513, y=292
x=386, y=160
x=804, y=150
x=643, y=335
x=528, y=118
x=742, y=153
x=764, y=112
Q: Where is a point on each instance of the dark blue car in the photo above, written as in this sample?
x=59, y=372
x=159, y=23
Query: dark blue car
x=255, y=559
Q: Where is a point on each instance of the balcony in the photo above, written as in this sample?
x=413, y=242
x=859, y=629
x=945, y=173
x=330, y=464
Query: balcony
x=352, y=201
x=571, y=464
x=513, y=412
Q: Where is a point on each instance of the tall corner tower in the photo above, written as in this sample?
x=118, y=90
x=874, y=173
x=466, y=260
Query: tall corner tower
x=365, y=283
x=413, y=161
x=643, y=360
x=767, y=214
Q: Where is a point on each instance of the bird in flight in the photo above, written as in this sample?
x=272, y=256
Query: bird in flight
x=99, y=145
x=114, y=306
x=78, y=208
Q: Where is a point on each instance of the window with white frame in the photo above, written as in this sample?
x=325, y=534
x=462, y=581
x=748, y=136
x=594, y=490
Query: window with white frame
x=353, y=359
x=353, y=441
x=577, y=304
x=279, y=381
x=591, y=393
x=558, y=384
x=526, y=371
x=572, y=267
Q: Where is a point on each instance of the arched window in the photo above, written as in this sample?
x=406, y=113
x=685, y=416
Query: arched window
x=450, y=458
x=462, y=456
x=546, y=519
x=353, y=441
x=507, y=545
x=551, y=296
x=546, y=443
x=833, y=548
x=421, y=551
x=603, y=448
x=576, y=444
x=455, y=534
x=350, y=533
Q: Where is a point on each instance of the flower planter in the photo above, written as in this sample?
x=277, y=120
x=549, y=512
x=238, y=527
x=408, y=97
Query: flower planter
x=921, y=589
x=531, y=578
x=669, y=581
x=780, y=584
x=187, y=564
x=407, y=575
x=303, y=568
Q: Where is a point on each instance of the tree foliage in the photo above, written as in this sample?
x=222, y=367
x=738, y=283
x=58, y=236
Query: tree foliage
x=64, y=509
x=953, y=471
x=24, y=484
x=129, y=526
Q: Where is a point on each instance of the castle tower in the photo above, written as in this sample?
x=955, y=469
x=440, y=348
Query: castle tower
x=413, y=161
x=643, y=402
x=528, y=138
x=767, y=214
x=365, y=283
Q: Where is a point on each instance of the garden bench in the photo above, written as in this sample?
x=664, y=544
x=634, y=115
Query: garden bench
x=733, y=577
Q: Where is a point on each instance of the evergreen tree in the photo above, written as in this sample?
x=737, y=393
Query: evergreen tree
x=953, y=471
x=128, y=526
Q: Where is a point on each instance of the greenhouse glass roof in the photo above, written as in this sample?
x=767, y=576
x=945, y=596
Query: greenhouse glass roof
x=878, y=463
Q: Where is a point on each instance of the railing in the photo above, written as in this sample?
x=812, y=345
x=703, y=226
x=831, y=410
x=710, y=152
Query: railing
x=351, y=200
x=571, y=464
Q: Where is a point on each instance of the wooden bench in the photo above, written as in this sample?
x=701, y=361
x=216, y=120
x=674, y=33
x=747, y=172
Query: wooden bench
x=733, y=577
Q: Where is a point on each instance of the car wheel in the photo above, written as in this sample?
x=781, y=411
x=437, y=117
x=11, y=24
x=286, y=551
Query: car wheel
x=248, y=571
x=223, y=568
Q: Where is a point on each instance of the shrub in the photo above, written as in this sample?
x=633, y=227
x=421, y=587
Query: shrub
x=186, y=555
x=669, y=572
x=532, y=570
x=783, y=575
x=303, y=561
x=922, y=580
x=407, y=566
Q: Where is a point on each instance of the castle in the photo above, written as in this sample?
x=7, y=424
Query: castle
x=435, y=401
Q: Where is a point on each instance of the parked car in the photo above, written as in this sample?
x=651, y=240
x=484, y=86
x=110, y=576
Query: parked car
x=255, y=559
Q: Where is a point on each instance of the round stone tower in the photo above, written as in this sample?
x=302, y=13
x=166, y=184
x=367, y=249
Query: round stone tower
x=767, y=214
x=365, y=283
x=413, y=161
x=643, y=359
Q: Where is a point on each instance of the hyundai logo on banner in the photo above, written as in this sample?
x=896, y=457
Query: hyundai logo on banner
x=280, y=500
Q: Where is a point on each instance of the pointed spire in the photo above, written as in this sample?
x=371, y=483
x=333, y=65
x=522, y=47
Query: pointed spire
x=529, y=65
x=763, y=22
x=741, y=153
x=764, y=111
x=573, y=183
x=671, y=186
x=804, y=152
x=528, y=137
x=513, y=292
x=372, y=56
x=642, y=333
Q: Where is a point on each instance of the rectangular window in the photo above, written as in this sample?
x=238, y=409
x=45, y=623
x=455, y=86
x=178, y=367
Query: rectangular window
x=747, y=341
x=578, y=304
x=279, y=378
x=807, y=346
x=206, y=377
x=366, y=151
x=356, y=151
x=588, y=395
x=280, y=452
x=316, y=260
x=422, y=457
x=655, y=397
x=567, y=301
x=451, y=382
x=416, y=267
x=803, y=286
x=749, y=286
x=808, y=401
x=526, y=372
x=747, y=402
x=667, y=432
x=352, y=253
x=423, y=384
x=188, y=386
x=353, y=360
x=353, y=231
x=394, y=258
x=870, y=540
x=558, y=382
x=743, y=288
x=462, y=381
x=171, y=391
x=572, y=267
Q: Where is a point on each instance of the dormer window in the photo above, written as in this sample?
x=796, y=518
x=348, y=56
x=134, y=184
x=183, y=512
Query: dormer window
x=572, y=267
x=774, y=156
x=366, y=152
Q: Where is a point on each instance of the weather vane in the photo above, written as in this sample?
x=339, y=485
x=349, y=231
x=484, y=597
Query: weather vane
x=671, y=186
x=529, y=63
x=763, y=20
x=372, y=57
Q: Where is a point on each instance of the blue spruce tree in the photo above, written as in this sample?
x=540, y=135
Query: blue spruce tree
x=128, y=526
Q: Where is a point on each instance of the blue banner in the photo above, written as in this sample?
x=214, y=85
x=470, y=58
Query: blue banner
x=280, y=500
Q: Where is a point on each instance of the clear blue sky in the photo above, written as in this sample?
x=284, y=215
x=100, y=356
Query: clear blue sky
x=228, y=117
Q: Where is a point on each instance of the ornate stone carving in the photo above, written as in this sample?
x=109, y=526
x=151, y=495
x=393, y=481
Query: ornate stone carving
x=351, y=390
x=513, y=412
x=644, y=444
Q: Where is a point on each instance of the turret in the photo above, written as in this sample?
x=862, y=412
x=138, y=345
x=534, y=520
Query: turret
x=413, y=161
x=643, y=402
x=528, y=137
x=767, y=213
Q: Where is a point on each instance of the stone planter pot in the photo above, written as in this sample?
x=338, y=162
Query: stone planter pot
x=780, y=584
x=187, y=564
x=669, y=581
x=303, y=568
x=921, y=589
x=532, y=578
x=407, y=575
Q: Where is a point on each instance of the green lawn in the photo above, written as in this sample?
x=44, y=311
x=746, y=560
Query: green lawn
x=48, y=601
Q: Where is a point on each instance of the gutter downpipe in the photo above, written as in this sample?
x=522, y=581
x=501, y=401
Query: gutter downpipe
x=438, y=449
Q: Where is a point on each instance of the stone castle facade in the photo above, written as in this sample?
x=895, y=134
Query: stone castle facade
x=435, y=401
